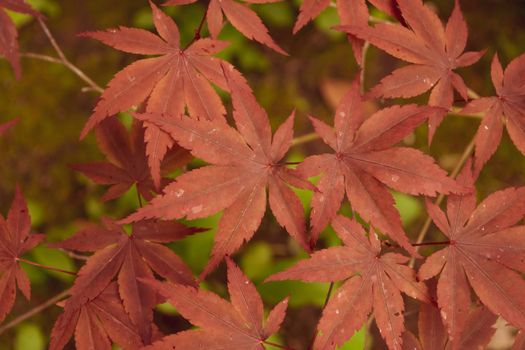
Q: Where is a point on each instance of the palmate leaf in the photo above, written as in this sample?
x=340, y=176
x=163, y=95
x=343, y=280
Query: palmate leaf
x=96, y=324
x=365, y=163
x=433, y=335
x=433, y=50
x=178, y=77
x=244, y=19
x=237, y=324
x=485, y=251
x=15, y=240
x=244, y=162
x=9, y=34
x=374, y=282
x=127, y=163
x=129, y=257
x=506, y=108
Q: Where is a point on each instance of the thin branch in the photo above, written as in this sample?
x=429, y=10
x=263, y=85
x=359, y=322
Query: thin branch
x=305, y=138
x=50, y=268
x=34, y=311
x=466, y=154
x=63, y=59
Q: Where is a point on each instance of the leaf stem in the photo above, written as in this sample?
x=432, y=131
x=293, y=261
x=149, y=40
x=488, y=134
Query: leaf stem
x=326, y=300
x=50, y=268
x=62, y=59
x=422, y=233
x=305, y=138
x=277, y=345
x=198, y=30
x=430, y=243
x=34, y=311
x=138, y=196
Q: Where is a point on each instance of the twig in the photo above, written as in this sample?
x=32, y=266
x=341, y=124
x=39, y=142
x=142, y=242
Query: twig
x=50, y=268
x=466, y=154
x=305, y=138
x=34, y=311
x=63, y=59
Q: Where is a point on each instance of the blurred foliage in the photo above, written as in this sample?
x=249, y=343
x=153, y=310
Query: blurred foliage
x=53, y=107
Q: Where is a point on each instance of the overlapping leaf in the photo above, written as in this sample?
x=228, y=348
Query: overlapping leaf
x=507, y=107
x=127, y=163
x=485, y=251
x=433, y=335
x=244, y=163
x=433, y=50
x=375, y=282
x=365, y=162
x=244, y=19
x=178, y=77
x=15, y=240
x=237, y=324
x=9, y=34
x=129, y=257
x=96, y=324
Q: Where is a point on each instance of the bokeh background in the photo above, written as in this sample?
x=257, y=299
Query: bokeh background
x=53, y=106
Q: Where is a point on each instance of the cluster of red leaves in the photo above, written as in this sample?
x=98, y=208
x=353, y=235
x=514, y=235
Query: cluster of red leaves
x=178, y=110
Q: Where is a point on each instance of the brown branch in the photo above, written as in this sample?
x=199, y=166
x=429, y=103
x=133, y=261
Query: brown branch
x=34, y=311
x=62, y=59
x=198, y=30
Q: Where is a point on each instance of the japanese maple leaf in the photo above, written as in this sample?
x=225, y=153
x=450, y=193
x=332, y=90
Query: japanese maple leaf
x=127, y=163
x=433, y=335
x=6, y=126
x=507, y=107
x=177, y=78
x=519, y=342
x=375, y=282
x=485, y=249
x=365, y=162
x=15, y=240
x=96, y=324
x=244, y=19
x=237, y=324
x=128, y=257
x=9, y=34
x=351, y=12
x=433, y=50
x=243, y=164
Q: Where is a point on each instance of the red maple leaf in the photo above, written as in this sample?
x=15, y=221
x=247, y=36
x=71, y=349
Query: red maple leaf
x=365, y=162
x=433, y=50
x=9, y=34
x=15, y=240
x=433, y=335
x=244, y=19
x=6, y=126
x=127, y=163
x=375, y=282
x=237, y=324
x=484, y=249
x=244, y=163
x=129, y=257
x=177, y=78
x=507, y=107
x=96, y=323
